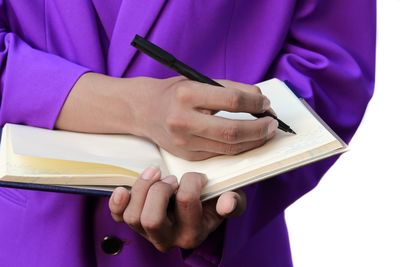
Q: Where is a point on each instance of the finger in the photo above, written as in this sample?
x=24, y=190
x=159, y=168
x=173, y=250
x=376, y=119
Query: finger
x=118, y=202
x=227, y=205
x=241, y=86
x=231, y=204
x=196, y=155
x=180, y=149
x=244, y=87
x=272, y=111
x=154, y=218
x=138, y=196
x=219, y=148
x=221, y=98
x=188, y=209
x=233, y=131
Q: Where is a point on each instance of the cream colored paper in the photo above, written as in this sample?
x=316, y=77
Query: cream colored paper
x=35, y=151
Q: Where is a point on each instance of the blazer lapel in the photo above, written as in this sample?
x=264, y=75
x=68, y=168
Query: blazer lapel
x=135, y=17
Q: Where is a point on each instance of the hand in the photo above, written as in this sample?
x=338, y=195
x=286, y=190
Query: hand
x=185, y=222
x=174, y=113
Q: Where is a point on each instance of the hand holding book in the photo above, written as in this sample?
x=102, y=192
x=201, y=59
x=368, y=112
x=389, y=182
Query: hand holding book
x=167, y=221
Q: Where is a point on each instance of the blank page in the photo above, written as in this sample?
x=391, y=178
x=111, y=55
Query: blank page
x=124, y=151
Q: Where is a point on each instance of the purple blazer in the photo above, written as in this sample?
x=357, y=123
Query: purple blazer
x=326, y=48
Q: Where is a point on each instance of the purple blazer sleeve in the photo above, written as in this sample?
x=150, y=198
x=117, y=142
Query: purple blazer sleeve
x=329, y=56
x=34, y=84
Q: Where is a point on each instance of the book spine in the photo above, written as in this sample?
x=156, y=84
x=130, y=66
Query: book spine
x=57, y=189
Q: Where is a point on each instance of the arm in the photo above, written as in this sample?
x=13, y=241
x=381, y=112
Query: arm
x=34, y=84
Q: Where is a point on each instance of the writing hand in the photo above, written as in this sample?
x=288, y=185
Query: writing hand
x=175, y=113
x=174, y=118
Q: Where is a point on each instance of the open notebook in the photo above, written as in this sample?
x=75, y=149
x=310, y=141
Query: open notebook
x=95, y=163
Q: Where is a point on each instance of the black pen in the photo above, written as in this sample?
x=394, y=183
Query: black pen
x=169, y=60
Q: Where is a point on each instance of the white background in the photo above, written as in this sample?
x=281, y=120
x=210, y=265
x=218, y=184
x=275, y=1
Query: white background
x=353, y=217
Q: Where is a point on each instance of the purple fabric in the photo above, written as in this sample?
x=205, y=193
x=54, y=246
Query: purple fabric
x=326, y=48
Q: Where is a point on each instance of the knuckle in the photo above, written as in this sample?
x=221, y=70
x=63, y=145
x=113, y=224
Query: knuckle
x=150, y=223
x=185, y=199
x=131, y=219
x=235, y=100
x=231, y=149
x=230, y=134
x=176, y=123
x=194, y=178
x=190, y=240
x=262, y=131
x=183, y=94
x=158, y=189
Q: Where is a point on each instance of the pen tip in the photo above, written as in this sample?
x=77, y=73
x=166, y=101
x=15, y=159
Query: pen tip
x=291, y=131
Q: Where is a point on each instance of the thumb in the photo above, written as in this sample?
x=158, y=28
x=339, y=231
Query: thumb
x=227, y=205
x=231, y=204
x=118, y=202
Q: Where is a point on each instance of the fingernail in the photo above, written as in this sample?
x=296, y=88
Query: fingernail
x=272, y=127
x=150, y=173
x=266, y=104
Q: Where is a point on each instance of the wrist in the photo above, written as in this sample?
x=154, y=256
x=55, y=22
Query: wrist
x=140, y=97
x=96, y=104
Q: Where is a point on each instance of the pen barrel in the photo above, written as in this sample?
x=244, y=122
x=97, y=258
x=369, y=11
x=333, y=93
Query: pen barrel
x=192, y=74
x=282, y=126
